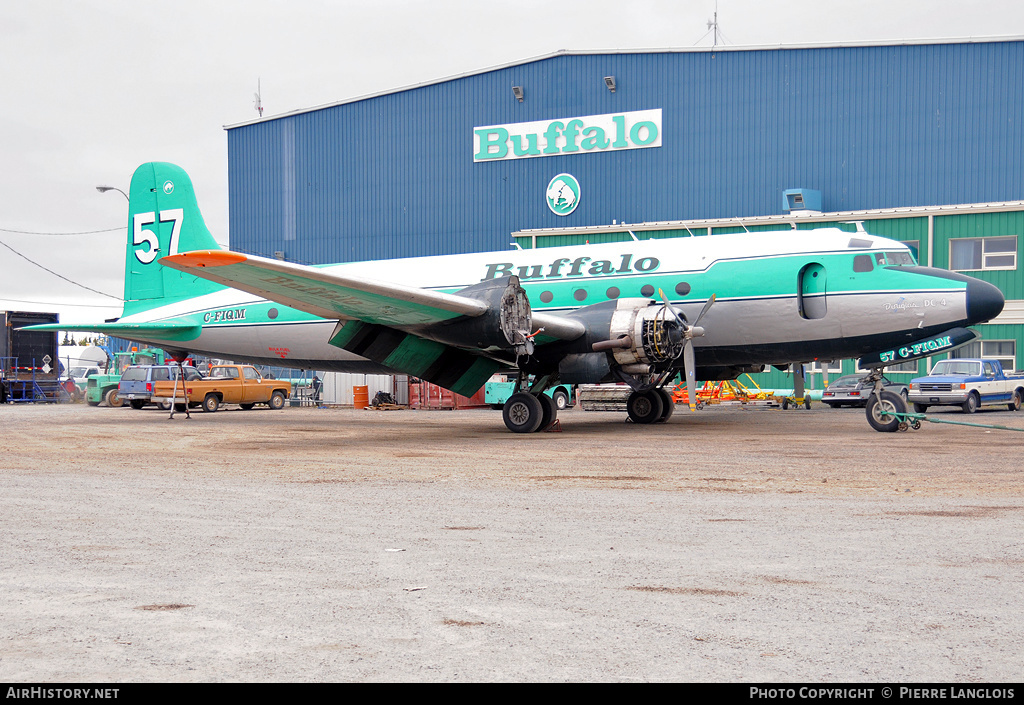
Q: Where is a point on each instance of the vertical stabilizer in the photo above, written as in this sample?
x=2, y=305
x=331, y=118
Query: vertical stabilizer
x=163, y=219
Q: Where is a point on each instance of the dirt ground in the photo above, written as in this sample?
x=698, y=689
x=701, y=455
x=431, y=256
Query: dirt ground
x=733, y=544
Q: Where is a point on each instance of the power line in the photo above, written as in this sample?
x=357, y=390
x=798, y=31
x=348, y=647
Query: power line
x=83, y=232
x=60, y=304
x=59, y=276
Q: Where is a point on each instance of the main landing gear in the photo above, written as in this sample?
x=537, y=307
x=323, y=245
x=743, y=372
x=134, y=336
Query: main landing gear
x=525, y=413
x=653, y=405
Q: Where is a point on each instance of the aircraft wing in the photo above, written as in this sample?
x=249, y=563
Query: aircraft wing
x=404, y=328
x=331, y=295
x=324, y=293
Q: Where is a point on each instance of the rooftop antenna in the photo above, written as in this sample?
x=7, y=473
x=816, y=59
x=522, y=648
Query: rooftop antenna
x=714, y=30
x=259, y=101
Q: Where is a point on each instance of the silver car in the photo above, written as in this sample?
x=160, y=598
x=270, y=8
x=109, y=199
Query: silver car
x=852, y=390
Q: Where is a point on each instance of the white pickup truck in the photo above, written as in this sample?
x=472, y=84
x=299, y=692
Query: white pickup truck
x=969, y=383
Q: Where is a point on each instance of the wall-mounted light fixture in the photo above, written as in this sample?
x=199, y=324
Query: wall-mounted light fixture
x=610, y=82
x=517, y=91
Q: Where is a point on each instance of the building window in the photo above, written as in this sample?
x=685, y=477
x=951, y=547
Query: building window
x=819, y=366
x=915, y=247
x=903, y=367
x=976, y=253
x=1003, y=350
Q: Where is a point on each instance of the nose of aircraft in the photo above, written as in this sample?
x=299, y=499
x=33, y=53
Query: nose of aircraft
x=984, y=301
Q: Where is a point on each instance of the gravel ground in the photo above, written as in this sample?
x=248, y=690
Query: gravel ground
x=339, y=545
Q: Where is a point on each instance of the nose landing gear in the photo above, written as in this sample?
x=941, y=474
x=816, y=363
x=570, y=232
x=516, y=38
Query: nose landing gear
x=885, y=409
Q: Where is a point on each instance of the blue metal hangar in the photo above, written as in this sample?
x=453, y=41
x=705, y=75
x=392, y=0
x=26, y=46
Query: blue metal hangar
x=924, y=141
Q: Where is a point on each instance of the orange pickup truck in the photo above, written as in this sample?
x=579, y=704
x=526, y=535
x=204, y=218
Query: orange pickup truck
x=227, y=384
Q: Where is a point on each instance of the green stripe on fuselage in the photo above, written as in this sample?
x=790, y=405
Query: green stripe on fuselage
x=761, y=277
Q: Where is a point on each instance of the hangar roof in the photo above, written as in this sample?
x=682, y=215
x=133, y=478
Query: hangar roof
x=587, y=52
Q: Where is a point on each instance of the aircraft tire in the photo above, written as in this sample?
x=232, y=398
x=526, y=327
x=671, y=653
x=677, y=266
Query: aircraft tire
x=645, y=407
x=668, y=405
x=888, y=402
x=137, y=403
x=550, y=410
x=920, y=408
x=522, y=413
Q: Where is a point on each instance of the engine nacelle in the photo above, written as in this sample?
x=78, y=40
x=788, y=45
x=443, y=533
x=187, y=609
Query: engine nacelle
x=506, y=325
x=643, y=333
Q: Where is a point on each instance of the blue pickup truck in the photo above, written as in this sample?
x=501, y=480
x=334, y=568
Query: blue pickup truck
x=969, y=383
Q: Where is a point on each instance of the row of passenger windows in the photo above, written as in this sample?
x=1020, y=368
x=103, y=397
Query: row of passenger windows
x=613, y=292
x=861, y=263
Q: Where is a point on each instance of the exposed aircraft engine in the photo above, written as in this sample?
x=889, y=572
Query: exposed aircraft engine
x=643, y=334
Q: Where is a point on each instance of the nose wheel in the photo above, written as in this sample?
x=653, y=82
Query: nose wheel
x=885, y=412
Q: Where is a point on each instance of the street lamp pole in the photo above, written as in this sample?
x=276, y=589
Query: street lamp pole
x=104, y=189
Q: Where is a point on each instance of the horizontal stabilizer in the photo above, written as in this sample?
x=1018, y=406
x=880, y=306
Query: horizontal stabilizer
x=178, y=330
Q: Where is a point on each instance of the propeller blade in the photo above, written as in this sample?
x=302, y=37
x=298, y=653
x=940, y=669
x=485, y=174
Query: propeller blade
x=705, y=309
x=691, y=374
x=675, y=315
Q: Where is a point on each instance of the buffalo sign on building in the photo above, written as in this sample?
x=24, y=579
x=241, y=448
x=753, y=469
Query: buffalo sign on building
x=577, y=135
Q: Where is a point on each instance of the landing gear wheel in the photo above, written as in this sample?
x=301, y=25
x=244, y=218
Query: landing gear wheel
x=522, y=413
x=972, y=403
x=247, y=407
x=889, y=404
x=561, y=399
x=807, y=403
x=113, y=399
x=137, y=403
x=669, y=405
x=920, y=408
x=211, y=403
x=549, y=410
x=645, y=407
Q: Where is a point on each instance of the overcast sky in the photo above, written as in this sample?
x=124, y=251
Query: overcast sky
x=90, y=89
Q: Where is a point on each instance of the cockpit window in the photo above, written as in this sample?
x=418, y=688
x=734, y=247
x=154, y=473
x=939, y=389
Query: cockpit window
x=900, y=257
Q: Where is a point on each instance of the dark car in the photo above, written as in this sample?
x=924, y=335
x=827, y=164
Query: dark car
x=852, y=390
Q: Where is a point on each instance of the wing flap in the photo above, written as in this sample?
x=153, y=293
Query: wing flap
x=459, y=370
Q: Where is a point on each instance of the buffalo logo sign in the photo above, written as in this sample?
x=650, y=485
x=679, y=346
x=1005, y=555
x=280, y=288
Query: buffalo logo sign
x=563, y=194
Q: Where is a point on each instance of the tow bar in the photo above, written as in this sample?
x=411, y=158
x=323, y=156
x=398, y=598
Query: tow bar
x=908, y=420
